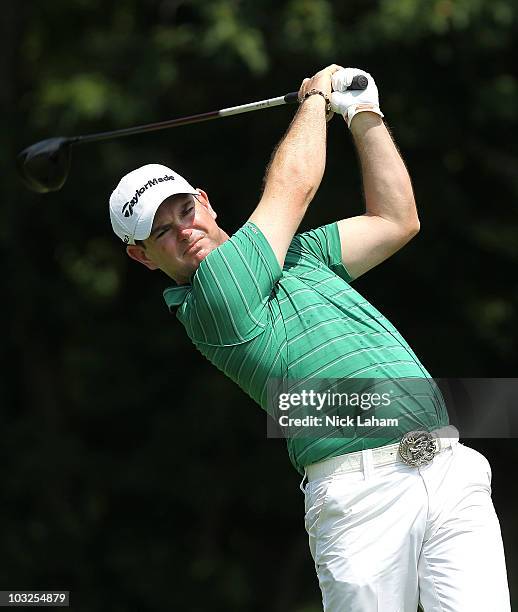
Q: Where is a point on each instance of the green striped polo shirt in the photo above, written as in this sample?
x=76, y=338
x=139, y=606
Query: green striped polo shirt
x=257, y=323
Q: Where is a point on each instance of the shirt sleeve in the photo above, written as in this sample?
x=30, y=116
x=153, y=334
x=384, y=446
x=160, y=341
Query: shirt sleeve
x=231, y=289
x=322, y=245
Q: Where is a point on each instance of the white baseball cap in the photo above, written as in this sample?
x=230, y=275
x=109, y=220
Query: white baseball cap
x=138, y=195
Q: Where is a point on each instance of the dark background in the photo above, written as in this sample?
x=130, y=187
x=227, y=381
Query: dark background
x=109, y=489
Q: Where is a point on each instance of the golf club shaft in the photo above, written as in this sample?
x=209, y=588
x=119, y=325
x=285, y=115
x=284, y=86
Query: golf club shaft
x=225, y=112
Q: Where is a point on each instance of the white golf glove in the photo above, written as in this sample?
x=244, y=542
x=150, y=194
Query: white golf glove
x=351, y=102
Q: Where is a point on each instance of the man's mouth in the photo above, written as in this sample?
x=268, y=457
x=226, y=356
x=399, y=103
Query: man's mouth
x=193, y=244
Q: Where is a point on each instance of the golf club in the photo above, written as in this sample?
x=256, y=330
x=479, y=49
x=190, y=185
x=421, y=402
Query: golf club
x=44, y=166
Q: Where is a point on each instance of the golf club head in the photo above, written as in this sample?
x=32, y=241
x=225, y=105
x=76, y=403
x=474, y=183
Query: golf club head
x=44, y=166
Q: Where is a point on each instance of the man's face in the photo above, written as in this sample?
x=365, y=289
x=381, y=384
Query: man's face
x=184, y=232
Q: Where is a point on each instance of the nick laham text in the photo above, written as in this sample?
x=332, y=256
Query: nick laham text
x=336, y=421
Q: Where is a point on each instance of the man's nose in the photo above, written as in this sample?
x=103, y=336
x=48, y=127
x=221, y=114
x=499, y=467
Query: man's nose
x=183, y=232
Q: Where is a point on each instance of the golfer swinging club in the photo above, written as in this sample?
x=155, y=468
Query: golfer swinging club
x=388, y=526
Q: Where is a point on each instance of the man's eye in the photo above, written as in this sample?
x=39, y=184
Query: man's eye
x=161, y=233
x=187, y=211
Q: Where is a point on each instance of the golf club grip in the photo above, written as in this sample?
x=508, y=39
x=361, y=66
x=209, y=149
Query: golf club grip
x=358, y=83
x=291, y=97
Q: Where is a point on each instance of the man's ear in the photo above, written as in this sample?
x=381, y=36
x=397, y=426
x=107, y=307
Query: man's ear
x=204, y=199
x=138, y=253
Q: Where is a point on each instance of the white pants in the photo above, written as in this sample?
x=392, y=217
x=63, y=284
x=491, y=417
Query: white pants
x=385, y=538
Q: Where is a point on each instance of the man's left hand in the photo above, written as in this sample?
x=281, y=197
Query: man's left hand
x=350, y=102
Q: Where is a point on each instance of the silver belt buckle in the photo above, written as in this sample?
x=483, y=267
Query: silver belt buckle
x=417, y=448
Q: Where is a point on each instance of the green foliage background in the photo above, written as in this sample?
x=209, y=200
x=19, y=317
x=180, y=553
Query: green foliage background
x=110, y=487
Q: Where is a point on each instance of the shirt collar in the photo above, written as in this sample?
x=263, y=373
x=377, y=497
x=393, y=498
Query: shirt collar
x=176, y=294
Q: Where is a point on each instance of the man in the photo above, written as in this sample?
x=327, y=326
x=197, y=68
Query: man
x=391, y=521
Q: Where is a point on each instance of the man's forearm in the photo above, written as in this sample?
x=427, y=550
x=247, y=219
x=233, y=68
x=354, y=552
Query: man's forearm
x=298, y=163
x=386, y=183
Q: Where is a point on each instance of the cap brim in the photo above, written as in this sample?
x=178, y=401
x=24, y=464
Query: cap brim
x=145, y=221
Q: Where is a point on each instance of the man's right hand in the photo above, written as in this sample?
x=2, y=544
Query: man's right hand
x=321, y=81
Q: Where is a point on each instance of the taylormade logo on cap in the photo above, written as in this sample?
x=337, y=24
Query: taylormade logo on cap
x=127, y=209
x=138, y=195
